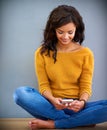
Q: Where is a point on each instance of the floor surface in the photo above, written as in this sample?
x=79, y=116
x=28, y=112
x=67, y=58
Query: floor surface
x=22, y=124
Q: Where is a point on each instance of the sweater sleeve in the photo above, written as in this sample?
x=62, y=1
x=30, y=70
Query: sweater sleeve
x=41, y=73
x=85, y=81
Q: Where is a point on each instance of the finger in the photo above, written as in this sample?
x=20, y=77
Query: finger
x=75, y=109
x=70, y=104
x=66, y=104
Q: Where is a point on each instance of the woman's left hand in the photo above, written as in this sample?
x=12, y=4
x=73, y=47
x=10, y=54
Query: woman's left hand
x=76, y=105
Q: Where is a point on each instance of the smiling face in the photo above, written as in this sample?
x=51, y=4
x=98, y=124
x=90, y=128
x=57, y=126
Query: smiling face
x=66, y=33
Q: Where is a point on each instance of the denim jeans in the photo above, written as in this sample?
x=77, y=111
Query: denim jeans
x=38, y=106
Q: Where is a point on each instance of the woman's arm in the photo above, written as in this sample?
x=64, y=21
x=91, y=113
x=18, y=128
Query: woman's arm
x=77, y=105
x=40, y=69
x=55, y=101
x=48, y=95
x=85, y=83
x=86, y=77
x=84, y=97
x=44, y=82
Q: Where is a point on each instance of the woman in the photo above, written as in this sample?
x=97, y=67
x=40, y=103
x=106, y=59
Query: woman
x=64, y=70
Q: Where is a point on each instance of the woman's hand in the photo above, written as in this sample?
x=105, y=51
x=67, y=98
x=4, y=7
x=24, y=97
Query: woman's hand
x=57, y=103
x=76, y=105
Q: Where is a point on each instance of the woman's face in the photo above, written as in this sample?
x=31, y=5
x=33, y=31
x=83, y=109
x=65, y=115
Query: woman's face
x=66, y=33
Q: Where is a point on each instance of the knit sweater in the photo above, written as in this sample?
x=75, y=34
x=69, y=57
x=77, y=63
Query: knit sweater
x=69, y=77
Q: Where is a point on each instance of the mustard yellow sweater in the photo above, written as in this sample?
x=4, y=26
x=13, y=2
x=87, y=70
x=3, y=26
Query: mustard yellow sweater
x=69, y=77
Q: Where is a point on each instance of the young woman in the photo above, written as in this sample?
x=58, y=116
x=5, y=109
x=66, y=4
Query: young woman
x=64, y=70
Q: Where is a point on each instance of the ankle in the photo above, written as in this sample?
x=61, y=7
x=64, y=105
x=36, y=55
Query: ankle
x=51, y=124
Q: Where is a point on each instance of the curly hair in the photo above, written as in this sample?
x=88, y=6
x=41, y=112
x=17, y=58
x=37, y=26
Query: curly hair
x=60, y=16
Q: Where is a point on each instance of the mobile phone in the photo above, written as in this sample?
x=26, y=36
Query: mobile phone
x=64, y=101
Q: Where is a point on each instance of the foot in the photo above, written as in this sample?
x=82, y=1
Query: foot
x=38, y=123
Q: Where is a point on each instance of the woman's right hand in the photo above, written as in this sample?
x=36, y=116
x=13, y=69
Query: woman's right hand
x=57, y=103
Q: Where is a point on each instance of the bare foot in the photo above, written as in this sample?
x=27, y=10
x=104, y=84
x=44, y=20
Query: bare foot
x=38, y=123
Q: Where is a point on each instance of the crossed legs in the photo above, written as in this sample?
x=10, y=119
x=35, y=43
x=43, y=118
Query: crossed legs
x=49, y=117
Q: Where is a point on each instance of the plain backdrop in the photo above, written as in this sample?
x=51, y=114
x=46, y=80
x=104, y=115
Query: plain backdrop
x=21, y=31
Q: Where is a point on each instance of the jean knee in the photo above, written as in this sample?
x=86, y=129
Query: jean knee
x=19, y=92
x=23, y=92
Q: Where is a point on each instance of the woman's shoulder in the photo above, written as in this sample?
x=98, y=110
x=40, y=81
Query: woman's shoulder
x=38, y=50
x=88, y=50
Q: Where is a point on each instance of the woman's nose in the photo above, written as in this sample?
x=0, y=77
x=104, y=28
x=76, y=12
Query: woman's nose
x=65, y=35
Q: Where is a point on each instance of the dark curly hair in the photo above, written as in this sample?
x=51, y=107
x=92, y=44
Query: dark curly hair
x=60, y=16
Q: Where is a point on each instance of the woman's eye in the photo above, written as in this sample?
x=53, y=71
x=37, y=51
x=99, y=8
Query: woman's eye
x=60, y=32
x=70, y=32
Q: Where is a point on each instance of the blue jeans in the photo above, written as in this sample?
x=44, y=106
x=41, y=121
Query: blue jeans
x=38, y=106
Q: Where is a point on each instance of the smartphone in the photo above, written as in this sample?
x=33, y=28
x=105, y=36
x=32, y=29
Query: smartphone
x=64, y=101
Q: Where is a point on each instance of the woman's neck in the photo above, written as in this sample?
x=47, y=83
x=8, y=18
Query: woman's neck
x=67, y=48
